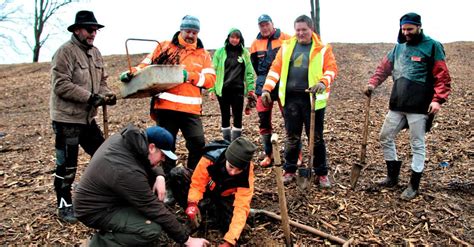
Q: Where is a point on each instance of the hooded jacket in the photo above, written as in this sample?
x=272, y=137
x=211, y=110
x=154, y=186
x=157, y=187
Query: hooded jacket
x=120, y=175
x=77, y=71
x=185, y=97
x=219, y=60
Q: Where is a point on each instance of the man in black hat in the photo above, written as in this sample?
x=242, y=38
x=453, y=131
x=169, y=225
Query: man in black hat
x=421, y=83
x=221, y=186
x=78, y=87
x=116, y=193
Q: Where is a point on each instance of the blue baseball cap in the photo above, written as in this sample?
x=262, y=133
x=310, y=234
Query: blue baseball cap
x=264, y=18
x=162, y=139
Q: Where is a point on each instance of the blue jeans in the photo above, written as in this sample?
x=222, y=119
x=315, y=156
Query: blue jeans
x=395, y=121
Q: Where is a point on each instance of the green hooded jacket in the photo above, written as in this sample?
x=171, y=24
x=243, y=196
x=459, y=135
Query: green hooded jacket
x=218, y=61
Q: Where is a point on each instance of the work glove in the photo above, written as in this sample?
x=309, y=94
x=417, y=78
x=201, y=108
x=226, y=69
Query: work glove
x=185, y=75
x=96, y=100
x=266, y=98
x=225, y=244
x=110, y=99
x=126, y=76
x=251, y=99
x=317, y=89
x=368, y=90
x=193, y=213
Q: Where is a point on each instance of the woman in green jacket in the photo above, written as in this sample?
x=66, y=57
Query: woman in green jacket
x=234, y=79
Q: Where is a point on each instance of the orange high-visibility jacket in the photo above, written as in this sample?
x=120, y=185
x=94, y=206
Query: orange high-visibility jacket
x=243, y=197
x=262, y=54
x=197, y=61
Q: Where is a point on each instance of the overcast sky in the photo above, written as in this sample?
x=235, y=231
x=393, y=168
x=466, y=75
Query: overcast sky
x=343, y=21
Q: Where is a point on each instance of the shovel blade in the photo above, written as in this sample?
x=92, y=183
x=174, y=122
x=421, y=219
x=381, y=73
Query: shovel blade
x=303, y=177
x=355, y=173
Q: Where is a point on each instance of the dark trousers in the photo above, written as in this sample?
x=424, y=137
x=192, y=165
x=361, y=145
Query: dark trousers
x=191, y=128
x=68, y=138
x=127, y=227
x=298, y=112
x=231, y=99
x=214, y=208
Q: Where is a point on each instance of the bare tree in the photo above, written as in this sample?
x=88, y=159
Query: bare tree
x=9, y=15
x=315, y=16
x=44, y=9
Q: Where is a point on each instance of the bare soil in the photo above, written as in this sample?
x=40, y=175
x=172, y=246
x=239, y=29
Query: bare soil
x=443, y=214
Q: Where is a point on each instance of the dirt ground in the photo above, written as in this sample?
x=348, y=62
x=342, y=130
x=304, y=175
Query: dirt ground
x=443, y=214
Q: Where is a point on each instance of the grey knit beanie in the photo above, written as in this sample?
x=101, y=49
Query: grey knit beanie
x=190, y=22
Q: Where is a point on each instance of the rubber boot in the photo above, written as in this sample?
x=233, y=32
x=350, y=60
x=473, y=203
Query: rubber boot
x=66, y=214
x=267, y=148
x=393, y=170
x=412, y=190
x=236, y=133
x=226, y=133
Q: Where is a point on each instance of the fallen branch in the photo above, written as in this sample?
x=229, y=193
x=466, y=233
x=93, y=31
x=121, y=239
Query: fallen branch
x=301, y=226
x=348, y=242
x=454, y=238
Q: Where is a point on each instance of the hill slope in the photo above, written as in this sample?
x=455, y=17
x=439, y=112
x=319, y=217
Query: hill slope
x=369, y=215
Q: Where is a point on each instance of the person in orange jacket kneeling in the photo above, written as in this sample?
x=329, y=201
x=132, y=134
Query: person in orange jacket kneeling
x=221, y=187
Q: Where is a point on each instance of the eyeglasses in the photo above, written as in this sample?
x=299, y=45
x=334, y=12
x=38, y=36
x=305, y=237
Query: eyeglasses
x=91, y=29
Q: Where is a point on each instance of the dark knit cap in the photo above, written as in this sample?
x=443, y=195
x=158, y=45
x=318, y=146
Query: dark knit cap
x=240, y=153
x=411, y=18
x=190, y=22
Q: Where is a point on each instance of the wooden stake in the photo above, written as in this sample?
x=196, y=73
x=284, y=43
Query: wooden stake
x=281, y=190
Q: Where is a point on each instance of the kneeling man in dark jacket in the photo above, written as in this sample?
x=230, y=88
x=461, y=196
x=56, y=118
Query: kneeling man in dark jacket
x=116, y=192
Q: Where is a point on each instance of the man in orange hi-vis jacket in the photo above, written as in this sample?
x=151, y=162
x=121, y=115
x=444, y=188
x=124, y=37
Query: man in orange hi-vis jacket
x=179, y=108
x=221, y=187
x=262, y=53
x=303, y=64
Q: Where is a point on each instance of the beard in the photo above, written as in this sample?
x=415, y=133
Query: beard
x=83, y=41
x=413, y=38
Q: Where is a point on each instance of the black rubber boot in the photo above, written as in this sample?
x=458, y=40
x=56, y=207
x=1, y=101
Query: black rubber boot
x=66, y=214
x=267, y=144
x=236, y=133
x=393, y=170
x=226, y=133
x=412, y=190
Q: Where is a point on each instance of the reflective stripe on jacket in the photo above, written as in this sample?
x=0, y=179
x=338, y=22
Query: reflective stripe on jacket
x=262, y=54
x=185, y=97
x=243, y=197
x=322, y=68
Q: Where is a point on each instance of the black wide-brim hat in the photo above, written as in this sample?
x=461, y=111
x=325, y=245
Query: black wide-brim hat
x=84, y=18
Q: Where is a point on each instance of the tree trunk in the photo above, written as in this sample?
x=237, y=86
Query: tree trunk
x=315, y=16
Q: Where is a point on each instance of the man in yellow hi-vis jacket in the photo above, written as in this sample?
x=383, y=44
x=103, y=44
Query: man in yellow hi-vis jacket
x=303, y=63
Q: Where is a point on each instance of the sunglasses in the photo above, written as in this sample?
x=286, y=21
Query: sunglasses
x=91, y=29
